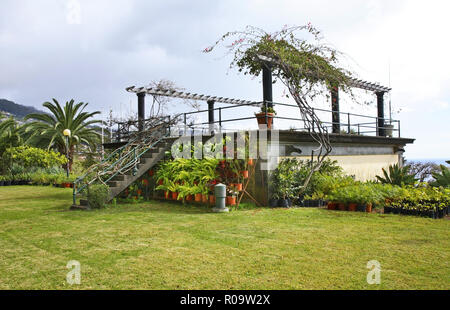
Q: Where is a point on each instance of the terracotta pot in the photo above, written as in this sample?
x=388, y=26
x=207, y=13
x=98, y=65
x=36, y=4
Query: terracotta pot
x=238, y=186
x=189, y=197
x=166, y=194
x=245, y=174
x=352, y=207
x=212, y=199
x=174, y=195
x=250, y=162
x=342, y=207
x=369, y=208
x=261, y=118
x=204, y=199
x=230, y=201
x=198, y=197
x=332, y=206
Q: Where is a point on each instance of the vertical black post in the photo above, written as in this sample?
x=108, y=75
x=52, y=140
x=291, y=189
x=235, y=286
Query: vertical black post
x=211, y=116
x=267, y=85
x=141, y=111
x=380, y=108
x=335, y=116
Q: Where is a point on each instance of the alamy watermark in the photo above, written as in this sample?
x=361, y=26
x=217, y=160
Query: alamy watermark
x=251, y=144
x=374, y=274
x=74, y=275
x=73, y=16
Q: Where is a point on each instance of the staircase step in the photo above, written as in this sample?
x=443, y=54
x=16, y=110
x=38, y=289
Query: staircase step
x=118, y=177
x=112, y=183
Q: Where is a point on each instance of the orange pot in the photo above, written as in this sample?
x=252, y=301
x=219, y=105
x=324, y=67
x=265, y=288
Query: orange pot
x=250, y=162
x=139, y=192
x=166, y=194
x=332, y=206
x=369, y=208
x=261, y=118
x=174, y=195
x=204, y=198
x=212, y=199
x=189, y=197
x=352, y=207
x=245, y=174
x=198, y=197
x=342, y=207
x=230, y=201
x=238, y=187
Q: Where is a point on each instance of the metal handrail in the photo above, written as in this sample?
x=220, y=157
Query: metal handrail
x=123, y=159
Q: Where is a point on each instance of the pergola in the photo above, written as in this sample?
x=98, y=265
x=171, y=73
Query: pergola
x=378, y=89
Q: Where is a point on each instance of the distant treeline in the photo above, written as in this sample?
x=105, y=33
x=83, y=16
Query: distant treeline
x=18, y=110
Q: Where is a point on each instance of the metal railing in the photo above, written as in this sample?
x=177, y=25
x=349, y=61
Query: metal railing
x=348, y=127
x=124, y=158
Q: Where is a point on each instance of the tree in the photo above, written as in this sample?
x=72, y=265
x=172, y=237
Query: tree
x=422, y=171
x=47, y=129
x=11, y=133
x=306, y=68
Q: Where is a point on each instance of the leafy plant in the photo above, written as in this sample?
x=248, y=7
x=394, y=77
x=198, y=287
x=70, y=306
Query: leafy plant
x=397, y=175
x=268, y=110
x=98, y=195
x=442, y=178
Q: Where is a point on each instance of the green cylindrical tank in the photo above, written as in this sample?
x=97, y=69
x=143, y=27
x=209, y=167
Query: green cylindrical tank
x=220, y=191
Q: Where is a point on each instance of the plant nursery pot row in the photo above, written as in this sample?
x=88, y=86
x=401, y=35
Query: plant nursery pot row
x=350, y=207
x=434, y=214
x=280, y=203
x=8, y=183
x=311, y=203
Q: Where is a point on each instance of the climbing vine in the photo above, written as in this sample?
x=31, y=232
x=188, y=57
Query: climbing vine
x=306, y=66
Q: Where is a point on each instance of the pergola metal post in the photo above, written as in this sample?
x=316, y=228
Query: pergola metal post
x=211, y=116
x=335, y=116
x=267, y=85
x=141, y=111
x=380, y=108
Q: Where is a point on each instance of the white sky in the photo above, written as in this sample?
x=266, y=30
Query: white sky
x=48, y=51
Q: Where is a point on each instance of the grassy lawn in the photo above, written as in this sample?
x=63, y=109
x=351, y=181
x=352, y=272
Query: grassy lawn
x=167, y=246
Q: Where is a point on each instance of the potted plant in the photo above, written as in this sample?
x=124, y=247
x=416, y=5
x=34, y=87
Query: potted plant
x=2, y=180
x=265, y=116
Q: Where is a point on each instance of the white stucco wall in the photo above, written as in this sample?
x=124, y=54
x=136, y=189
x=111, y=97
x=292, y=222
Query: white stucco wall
x=363, y=167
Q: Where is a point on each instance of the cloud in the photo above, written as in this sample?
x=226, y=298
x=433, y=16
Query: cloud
x=114, y=44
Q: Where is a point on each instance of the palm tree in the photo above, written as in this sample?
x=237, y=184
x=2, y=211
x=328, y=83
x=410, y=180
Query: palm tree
x=47, y=129
x=11, y=133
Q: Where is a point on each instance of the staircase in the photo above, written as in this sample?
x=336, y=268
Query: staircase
x=125, y=165
x=120, y=182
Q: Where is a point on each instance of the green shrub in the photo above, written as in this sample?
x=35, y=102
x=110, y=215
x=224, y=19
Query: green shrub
x=98, y=195
x=27, y=156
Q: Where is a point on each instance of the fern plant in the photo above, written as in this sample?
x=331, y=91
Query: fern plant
x=397, y=176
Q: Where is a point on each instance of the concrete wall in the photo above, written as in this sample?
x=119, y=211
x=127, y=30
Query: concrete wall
x=363, y=167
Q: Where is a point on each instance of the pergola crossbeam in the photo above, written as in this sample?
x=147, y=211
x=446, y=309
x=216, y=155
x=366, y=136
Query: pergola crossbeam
x=182, y=95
